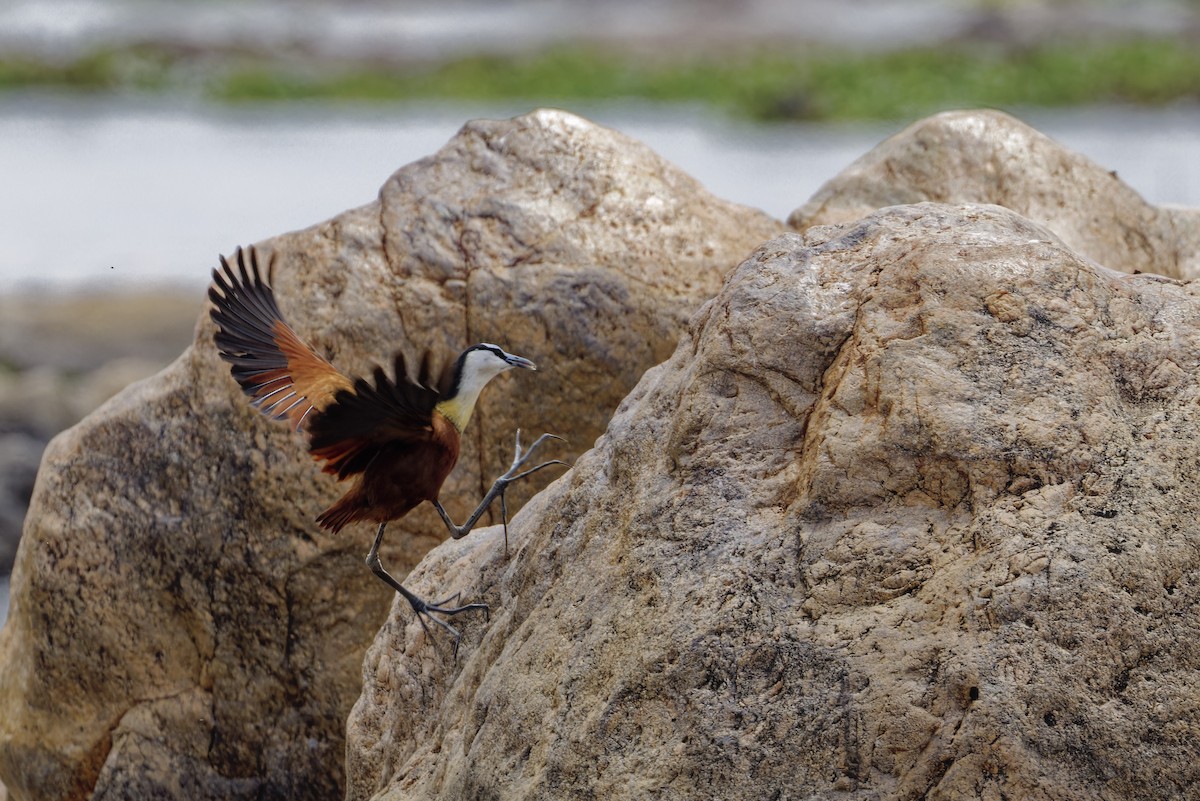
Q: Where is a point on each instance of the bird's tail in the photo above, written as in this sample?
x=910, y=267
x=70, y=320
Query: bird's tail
x=346, y=511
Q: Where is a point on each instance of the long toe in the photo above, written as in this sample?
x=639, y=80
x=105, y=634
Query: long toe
x=523, y=455
x=430, y=611
x=453, y=632
x=533, y=470
x=454, y=610
x=452, y=599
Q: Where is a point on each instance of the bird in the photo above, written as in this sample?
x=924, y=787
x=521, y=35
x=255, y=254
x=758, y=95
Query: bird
x=393, y=439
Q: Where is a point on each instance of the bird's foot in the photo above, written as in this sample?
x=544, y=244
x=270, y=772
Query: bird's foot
x=448, y=607
x=521, y=456
x=427, y=611
x=514, y=473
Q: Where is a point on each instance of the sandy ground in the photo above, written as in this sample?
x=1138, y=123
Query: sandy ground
x=80, y=331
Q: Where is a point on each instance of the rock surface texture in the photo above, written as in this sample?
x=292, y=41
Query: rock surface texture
x=911, y=513
x=179, y=627
x=60, y=358
x=989, y=157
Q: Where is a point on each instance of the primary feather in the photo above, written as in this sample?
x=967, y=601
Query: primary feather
x=283, y=376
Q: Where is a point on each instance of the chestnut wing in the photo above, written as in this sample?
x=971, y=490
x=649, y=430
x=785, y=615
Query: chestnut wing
x=284, y=377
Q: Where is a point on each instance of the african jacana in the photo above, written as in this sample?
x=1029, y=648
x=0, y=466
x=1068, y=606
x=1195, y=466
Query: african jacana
x=396, y=441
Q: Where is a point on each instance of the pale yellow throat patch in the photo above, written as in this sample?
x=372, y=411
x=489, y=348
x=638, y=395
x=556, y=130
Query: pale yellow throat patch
x=457, y=410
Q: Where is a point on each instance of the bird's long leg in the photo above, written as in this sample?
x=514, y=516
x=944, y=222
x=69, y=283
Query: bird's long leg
x=421, y=607
x=498, y=486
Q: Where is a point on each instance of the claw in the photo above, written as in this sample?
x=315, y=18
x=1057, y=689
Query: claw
x=533, y=470
x=425, y=610
x=522, y=456
x=504, y=520
x=519, y=459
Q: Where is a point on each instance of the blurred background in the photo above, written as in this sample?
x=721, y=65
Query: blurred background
x=140, y=139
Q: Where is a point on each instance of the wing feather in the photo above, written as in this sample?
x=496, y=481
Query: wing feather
x=266, y=357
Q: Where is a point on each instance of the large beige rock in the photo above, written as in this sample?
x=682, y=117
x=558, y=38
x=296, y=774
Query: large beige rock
x=179, y=627
x=61, y=356
x=990, y=157
x=911, y=513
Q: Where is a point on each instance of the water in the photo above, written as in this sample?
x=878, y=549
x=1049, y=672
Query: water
x=419, y=29
x=132, y=193
x=102, y=193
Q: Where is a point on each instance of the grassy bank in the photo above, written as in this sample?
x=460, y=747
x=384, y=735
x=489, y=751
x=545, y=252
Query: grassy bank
x=770, y=84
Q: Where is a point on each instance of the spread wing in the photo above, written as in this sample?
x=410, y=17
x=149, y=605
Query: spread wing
x=367, y=418
x=283, y=376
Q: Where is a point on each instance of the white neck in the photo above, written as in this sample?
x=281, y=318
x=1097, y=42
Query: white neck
x=479, y=368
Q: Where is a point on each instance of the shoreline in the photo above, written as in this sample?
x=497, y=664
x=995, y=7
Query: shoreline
x=764, y=82
x=771, y=60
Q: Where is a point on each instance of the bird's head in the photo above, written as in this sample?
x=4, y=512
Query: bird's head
x=487, y=361
x=476, y=366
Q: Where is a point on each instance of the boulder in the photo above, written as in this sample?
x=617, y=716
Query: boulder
x=179, y=626
x=37, y=403
x=61, y=356
x=909, y=513
x=990, y=157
